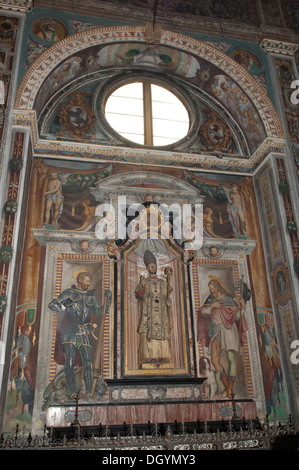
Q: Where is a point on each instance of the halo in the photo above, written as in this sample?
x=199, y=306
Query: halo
x=82, y=270
x=214, y=278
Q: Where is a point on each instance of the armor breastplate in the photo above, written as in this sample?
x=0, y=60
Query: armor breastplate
x=80, y=304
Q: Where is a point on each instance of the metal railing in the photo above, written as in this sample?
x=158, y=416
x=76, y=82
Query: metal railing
x=249, y=437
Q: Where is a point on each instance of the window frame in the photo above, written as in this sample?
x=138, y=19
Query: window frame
x=169, y=84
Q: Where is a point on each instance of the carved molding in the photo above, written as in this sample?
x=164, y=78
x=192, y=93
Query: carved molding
x=231, y=246
x=94, y=152
x=23, y=6
x=278, y=47
x=164, y=188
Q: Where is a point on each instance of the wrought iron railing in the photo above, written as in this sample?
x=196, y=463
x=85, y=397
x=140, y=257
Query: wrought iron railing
x=250, y=437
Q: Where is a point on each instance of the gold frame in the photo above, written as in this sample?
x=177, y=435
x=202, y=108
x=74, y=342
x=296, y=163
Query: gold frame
x=81, y=259
x=155, y=371
x=234, y=265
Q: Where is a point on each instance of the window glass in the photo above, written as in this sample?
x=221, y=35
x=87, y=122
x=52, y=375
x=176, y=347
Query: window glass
x=137, y=106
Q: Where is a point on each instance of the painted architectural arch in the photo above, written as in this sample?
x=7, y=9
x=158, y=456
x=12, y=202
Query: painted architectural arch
x=222, y=80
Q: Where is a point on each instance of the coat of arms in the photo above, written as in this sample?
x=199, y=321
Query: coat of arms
x=77, y=118
x=215, y=134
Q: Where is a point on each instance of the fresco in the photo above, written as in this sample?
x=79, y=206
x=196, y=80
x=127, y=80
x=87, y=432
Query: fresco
x=248, y=60
x=294, y=16
x=79, y=115
x=274, y=393
x=224, y=208
x=80, y=312
x=8, y=34
x=222, y=331
x=96, y=58
x=228, y=215
x=211, y=8
x=84, y=309
x=49, y=29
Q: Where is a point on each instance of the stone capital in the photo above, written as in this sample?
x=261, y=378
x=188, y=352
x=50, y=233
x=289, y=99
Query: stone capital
x=21, y=6
x=277, y=47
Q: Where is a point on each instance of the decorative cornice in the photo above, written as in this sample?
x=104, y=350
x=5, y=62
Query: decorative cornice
x=95, y=152
x=22, y=6
x=161, y=186
x=244, y=246
x=46, y=237
x=278, y=47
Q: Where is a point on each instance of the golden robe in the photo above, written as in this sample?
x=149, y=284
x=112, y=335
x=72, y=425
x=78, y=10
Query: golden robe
x=154, y=321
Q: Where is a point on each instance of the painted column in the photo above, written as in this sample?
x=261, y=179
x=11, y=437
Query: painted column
x=277, y=191
x=13, y=169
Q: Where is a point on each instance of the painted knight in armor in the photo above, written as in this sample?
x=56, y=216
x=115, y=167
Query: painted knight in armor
x=76, y=308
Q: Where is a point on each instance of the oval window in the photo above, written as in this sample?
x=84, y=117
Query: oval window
x=147, y=114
